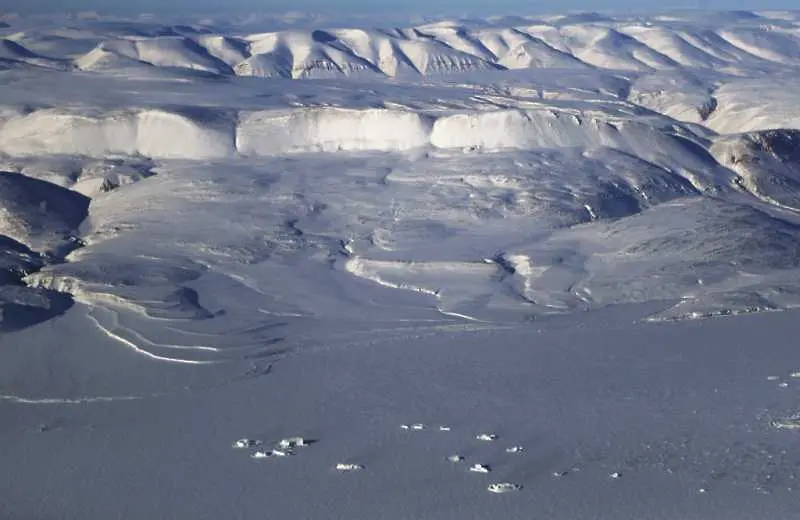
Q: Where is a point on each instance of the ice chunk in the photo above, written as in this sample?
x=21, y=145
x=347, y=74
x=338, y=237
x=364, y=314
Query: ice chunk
x=504, y=487
x=789, y=423
x=480, y=468
x=486, y=437
x=282, y=453
x=292, y=442
x=348, y=467
x=246, y=443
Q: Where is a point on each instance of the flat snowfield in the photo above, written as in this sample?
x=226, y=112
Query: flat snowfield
x=509, y=268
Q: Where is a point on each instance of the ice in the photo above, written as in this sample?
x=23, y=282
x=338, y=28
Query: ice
x=348, y=467
x=504, y=487
x=282, y=453
x=292, y=442
x=789, y=423
x=246, y=443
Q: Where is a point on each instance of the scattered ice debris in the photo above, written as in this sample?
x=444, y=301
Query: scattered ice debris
x=486, y=437
x=348, y=467
x=246, y=443
x=261, y=455
x=515, y=449
x=480, y=468
x=616, y=474
x=455, y=458
x=790, y=423
x=444, y=428
x=292, y=442
x=504, y=487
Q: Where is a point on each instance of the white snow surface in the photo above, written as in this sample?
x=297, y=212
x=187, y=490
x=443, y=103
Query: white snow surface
x=236, y=228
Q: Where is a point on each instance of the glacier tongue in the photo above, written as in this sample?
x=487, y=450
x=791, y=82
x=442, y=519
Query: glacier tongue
x=448, y=171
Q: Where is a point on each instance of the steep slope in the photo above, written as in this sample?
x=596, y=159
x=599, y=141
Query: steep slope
x=162, y=52
x=537, y=54
x=11, y=51
x=768, y=163
x=672, y=45
x=39, y=214
x=154, y=133
x=738, y=112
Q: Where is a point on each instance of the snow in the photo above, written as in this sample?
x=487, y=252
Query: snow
x=386, y=251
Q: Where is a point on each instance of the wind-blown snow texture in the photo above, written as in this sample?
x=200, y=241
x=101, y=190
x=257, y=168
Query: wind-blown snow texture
x=215, y=195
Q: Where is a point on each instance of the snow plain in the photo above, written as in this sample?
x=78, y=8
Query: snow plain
x=217, y=230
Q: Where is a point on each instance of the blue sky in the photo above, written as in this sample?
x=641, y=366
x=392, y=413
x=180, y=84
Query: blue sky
x=398, y=6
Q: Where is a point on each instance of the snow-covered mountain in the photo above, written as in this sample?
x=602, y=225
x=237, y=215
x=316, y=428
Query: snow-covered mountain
x=764, y=41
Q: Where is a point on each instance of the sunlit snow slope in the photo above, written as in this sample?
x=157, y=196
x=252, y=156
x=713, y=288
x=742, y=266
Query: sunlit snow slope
x=201, y=185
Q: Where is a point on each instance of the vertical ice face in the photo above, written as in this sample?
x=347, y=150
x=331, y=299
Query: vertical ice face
x=330, y=130
x=152, y=133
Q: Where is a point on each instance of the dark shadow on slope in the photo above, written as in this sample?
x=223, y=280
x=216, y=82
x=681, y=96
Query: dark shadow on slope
x=17, y=316
x=188, y=30
x=16, y=261
x=784, y=144
x=323, y=36
x=42, y=205
x=14, y=50
x=184, y=303
x=199, y=50
x=35, y=210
